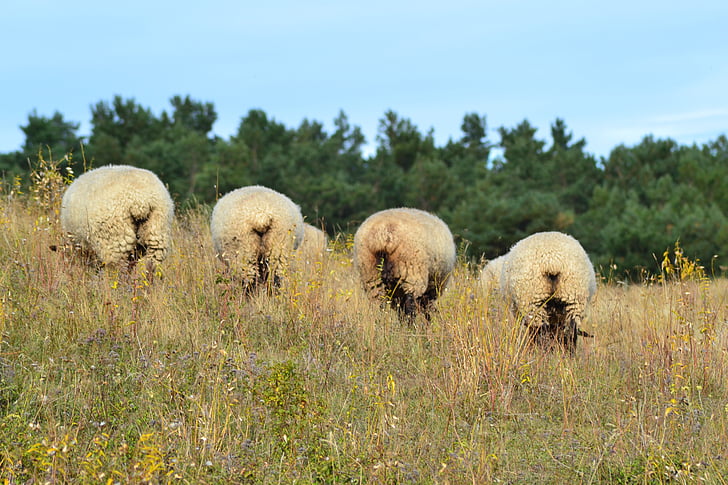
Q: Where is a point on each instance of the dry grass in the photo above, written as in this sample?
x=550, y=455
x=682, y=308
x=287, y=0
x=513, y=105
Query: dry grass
x=178, y=377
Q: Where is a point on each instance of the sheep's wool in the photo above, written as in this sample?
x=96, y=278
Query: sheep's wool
x=116, y=210
x=254, y=224
x=408, y=252
x=548, y=268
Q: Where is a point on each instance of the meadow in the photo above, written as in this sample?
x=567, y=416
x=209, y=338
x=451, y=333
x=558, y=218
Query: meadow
x=176, y=376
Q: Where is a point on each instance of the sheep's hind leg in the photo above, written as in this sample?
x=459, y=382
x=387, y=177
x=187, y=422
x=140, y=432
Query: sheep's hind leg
x=569, y=334
x=404, y=304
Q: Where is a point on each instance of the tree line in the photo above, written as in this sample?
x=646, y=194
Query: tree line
x=626, y=209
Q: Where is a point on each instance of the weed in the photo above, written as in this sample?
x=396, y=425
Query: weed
x=182, y=377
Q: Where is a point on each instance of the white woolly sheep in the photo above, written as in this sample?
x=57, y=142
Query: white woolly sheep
x=119, y=214
x=491, y=273
x=405, y=255
x=313, y=246
x=549, y=280
x=254, y=231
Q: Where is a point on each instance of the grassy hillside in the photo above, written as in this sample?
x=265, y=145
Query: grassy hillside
x=178, y=377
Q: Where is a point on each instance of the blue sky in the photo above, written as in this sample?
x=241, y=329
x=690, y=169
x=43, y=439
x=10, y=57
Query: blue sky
x=614, y=71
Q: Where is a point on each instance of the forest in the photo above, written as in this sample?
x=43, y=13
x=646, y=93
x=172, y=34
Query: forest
x=626, y=209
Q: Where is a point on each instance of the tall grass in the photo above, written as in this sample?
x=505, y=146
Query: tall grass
x=109, y=377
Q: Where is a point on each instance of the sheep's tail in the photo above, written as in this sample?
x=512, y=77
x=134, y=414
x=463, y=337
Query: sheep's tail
x=552, y=279
x=261, y=223
x=141, y=210
x=151, y=224
x=386, y=268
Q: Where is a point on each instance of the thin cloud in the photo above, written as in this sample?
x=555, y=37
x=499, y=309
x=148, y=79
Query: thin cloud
x=691, y=116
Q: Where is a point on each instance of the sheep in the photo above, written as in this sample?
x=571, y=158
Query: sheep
x=548, y=280
x=313, y=246
x=119, y=214
x=405, y=255
x=254, y=232
x=491, y=273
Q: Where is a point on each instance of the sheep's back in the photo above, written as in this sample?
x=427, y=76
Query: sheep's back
x=314, y=243
x=110, y=200
x=411, y=232
x=490, y=275
x=419, y=246
x=549, y=263
x=241, y=216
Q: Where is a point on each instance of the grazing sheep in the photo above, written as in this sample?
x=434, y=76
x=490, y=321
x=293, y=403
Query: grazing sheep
x=549, y=280
x=119, y=214
x=491, y=273
x=405, y=255
x=314, y=244
x=254, y=231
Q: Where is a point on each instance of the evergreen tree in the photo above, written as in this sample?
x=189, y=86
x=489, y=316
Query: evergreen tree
x=117, y=125
x=54, y=133
x=571, y=173
x=175, y=146
x=262, y=137
x=399, y=139
x=528, y=190
x=53, y=136
x=193, y=115
x=626, y=210
x=645, y=205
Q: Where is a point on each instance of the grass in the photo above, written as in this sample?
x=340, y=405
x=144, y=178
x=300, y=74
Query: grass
x=108, y=377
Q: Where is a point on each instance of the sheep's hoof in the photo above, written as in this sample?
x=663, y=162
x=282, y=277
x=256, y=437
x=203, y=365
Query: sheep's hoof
x=410, y=305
